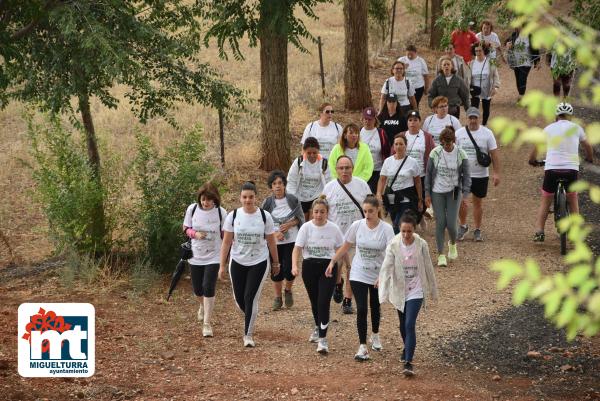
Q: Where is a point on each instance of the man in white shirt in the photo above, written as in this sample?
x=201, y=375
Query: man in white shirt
x=562, y=162
x=416, y=72
x=343, y=211
x=482, y=138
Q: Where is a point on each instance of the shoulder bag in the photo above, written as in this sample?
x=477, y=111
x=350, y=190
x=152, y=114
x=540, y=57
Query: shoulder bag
x=483, y=158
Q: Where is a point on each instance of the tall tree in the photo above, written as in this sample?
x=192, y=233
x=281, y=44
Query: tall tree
x=357, y=90
x=272, y=24
x=54, y=51
x=435, y=39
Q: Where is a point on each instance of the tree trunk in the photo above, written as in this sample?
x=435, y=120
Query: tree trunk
x=97, y=228
x=435, y=39
x=357, y=90
x=274, y=107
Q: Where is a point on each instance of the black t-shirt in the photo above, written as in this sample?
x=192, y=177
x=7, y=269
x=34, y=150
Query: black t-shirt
x=392, y=125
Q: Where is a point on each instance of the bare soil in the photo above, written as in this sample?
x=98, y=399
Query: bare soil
x=472, y=344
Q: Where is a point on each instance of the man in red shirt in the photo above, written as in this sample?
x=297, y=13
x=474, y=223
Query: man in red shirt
x=463, y=39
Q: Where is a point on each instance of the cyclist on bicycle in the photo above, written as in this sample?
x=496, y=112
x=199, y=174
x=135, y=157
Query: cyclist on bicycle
x=562, y=162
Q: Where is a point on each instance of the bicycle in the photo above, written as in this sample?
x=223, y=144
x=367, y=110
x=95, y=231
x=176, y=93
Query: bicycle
x=560, y=208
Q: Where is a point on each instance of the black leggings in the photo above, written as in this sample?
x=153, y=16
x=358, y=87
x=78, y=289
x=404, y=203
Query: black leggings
x=285, y=261
x=204, y=279
x=247, y=282
x=320, y=290
x=419, y=94
x=361, y=292
x=485, y=103
x=521, y=74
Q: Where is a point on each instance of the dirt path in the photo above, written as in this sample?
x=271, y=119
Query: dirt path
x=150, y=350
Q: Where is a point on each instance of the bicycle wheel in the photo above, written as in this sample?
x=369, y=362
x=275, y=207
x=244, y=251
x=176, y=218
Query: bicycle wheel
x=561, y=211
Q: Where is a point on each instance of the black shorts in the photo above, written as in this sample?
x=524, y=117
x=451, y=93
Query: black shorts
x=551, y=178
x=306, y=206
x=479, y=186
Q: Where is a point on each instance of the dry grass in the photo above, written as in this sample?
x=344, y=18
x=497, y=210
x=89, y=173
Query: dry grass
x=22, y=221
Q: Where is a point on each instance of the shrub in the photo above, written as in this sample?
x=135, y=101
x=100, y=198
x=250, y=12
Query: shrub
x=167, y=184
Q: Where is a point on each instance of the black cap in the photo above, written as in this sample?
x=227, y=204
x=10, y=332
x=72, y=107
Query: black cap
x=391, y=97
x=413, y=113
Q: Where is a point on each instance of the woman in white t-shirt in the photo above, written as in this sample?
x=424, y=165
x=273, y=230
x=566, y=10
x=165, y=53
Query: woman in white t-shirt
x=203, y=224
x=287, y=215
x=317, y=242
x=399, y=85
x=308, y=175
x=252, y=233
x=376, y=139
x=401, y=174
x=484, y=75
x=435, y=123
x=416, y=72
x=326, y=131
x=371, y=236
x=488, y=37
x=447, y=180
x=406, y=277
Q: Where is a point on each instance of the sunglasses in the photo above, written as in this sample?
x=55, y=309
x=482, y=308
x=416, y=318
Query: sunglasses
x=329, y=111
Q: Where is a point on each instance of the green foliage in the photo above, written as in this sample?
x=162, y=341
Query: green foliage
x=571, y=299
x=167, y=183
x=379, y=13
x=67, y=189
x=232, y=20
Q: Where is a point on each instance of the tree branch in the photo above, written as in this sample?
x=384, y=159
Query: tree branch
x=29, y=27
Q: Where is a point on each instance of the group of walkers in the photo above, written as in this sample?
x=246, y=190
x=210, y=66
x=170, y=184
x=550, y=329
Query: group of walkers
x=323, y=219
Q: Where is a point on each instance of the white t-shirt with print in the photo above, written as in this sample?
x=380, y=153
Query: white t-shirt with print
x=371, y=138
x=307, y=181
x=415, y=70
x=491, y=38
x=342, y=211
x=435, y=125
x=447, y=172
x=281, y=214
x=319, y=242
x=400, y=89
x=249, y=244
x=415, y=148
x=486, y=141
x=327, y=136
x=406, y=176
x=206, y=251
x=563, y=153
x=370, y=249
x=413, y=288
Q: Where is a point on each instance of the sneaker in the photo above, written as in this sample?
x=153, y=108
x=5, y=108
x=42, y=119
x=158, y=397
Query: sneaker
x=277, y=303
x=347, y=306
x=376, y=342
x=289, y=298
x=201, y=313
x=338, y=292
x=249, y=342
x=442, y=261
x=408, y=370
x=477, y=235
x=314, y=336
x=322, y=347
x=452, y=251
x=539, y=237
x=362, y=354
x=462, y=231
x=207, y=330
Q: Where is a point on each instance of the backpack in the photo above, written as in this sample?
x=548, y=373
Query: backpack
x=323, y=164
x=220, y=217
x=262, y=213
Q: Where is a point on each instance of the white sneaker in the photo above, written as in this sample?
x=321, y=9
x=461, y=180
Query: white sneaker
x=201, y=313
x=314, y=336
x=207, y=330
x=376, y=342
x=248, y=342
x=322, y=347
x=362, y=354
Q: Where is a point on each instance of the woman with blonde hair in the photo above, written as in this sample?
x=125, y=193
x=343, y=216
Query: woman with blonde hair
x=359, y=152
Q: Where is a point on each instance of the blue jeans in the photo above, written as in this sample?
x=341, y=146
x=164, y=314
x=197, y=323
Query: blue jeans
x=396, y=213
x=408, y=322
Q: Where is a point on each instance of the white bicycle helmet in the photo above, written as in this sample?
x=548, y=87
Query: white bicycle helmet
x=564, y=108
